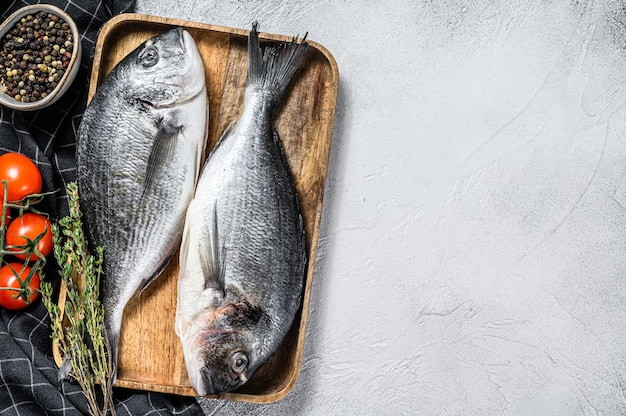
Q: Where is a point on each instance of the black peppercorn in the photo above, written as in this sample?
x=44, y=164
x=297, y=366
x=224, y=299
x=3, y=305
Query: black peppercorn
x=31, y=52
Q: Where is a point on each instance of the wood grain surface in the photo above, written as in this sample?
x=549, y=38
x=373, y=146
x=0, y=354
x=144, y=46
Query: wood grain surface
x=150, y=355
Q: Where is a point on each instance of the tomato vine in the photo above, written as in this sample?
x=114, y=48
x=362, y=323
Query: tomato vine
x=25, y=232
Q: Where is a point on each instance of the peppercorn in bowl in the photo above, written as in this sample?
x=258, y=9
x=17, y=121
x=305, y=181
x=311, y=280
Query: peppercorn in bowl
x=39, y=56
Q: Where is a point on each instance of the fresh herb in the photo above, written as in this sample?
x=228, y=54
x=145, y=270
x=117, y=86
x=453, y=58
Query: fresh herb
x=81, y=335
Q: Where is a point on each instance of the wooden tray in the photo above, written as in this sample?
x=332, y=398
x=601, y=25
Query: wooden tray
x=150, y=355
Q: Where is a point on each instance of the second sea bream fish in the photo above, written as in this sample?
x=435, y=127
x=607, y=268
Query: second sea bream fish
x=139, y=153
x=243, y=256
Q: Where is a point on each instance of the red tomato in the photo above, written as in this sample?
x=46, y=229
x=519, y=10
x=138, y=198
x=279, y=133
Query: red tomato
x=22, y=176
x=24, y=230
x=11, y=299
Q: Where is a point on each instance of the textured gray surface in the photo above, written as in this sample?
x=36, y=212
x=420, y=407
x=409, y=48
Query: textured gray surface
x=473, y=241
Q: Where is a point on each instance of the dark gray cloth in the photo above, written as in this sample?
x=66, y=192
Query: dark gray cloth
x=28, y=373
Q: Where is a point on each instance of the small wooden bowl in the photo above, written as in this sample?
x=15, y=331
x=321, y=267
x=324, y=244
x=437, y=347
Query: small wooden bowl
x=72, y=67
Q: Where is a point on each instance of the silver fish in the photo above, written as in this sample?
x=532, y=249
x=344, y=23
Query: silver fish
x=139, y=154
x=243, y=256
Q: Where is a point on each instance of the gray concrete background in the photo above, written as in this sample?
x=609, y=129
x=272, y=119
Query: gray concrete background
x=473, y=239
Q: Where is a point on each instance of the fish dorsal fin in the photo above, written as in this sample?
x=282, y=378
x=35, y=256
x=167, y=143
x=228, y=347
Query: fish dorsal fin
x=162, y=151
x=212, y=258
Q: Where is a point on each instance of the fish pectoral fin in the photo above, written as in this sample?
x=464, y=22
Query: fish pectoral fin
x=227, y=132
x=146, y=282
x=212, y=258
x=208, y=267
x=162, y=151
x=229, y=129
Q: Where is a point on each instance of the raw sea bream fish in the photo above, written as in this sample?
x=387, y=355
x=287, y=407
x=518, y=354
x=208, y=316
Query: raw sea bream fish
x=243, y=256
x=139, y=154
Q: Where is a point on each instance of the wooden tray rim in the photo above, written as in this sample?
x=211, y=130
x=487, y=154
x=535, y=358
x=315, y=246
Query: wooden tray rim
x=111, y=25
x=106, y=30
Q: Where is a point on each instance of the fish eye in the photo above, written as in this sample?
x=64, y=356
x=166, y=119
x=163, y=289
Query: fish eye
x=149, y=56
x=238, y=362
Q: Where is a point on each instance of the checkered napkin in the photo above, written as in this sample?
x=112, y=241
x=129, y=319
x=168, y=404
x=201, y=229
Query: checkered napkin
x=28, y=373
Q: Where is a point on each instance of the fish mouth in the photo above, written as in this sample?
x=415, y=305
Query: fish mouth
x=185, y=39
x=177, y=34
x=201, y=380
x=211, y=385
x=208, y=385
x=206, y=382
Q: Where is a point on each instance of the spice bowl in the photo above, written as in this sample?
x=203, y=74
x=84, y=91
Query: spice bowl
x=39, y=57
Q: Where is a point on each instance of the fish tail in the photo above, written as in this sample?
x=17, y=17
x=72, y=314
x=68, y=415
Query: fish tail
x=272, y=70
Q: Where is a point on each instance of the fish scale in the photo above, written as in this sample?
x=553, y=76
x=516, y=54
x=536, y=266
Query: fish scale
x=242, y=258
x=139, y=151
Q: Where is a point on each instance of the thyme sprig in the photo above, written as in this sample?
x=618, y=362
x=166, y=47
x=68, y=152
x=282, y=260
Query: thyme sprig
x=81, y=337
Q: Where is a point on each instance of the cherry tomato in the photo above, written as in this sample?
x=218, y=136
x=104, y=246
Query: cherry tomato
x=24, y=230
x=11, y=299
x=22, y=176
